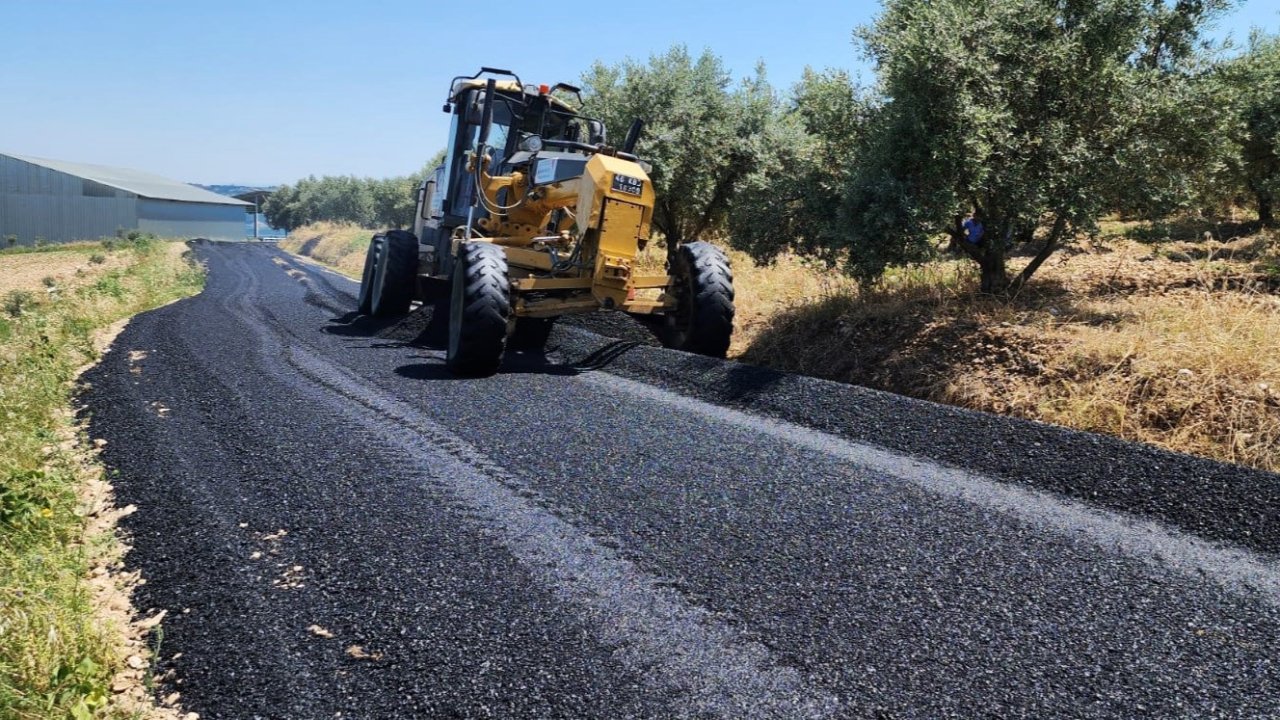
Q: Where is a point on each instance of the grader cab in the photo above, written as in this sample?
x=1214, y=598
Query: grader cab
x=534, y=215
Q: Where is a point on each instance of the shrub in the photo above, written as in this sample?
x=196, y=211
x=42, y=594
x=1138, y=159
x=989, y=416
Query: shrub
x=110, y=285
x=17, y=301
x=97, y=258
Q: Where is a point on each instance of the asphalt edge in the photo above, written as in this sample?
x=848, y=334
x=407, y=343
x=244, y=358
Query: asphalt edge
x=1216, y=501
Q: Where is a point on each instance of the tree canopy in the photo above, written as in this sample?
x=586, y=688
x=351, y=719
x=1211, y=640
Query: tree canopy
x=703, y=134
x=792, y=199
x=1255, y=79
x=368, y=202
x=1027, y=113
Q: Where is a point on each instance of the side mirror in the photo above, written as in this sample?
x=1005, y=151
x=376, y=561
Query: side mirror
x=597, y=133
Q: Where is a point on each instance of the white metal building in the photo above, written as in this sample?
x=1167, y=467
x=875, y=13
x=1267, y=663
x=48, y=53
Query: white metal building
x=62, y=201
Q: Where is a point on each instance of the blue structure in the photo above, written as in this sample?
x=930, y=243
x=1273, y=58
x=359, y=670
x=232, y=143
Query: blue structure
x=256, y=227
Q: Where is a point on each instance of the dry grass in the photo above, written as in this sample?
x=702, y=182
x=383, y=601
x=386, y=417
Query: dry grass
x=1174, y=343
x=1197, y=372
x=339, y=245
x=1146, y=343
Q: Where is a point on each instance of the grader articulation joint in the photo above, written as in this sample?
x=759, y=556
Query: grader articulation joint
x=533, y=215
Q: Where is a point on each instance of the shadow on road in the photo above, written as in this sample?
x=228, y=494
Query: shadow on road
x=744, y=382
x=356, y=325
x=603, y=357
x=528, y=362
x=515, y=362
x=427, y=328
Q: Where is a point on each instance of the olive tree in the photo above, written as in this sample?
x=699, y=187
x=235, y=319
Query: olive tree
x=1254, y=77
x=793, y=198
x=282, y=209
x=703, y=134
x=1021, y=111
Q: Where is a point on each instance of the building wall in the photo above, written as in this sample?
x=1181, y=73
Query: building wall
x=176, y=219
x=36, y=202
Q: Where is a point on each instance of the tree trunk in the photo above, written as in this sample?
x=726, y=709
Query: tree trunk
x=988, y=255
x=1050, y=245
x=674, y=241
x=994, y=278
x=1266, y=214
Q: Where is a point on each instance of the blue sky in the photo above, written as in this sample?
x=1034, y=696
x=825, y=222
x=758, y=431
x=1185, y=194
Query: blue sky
x=266, y=92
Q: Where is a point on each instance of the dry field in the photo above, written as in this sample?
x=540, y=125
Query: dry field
x=1174, y=343
x=27, y=271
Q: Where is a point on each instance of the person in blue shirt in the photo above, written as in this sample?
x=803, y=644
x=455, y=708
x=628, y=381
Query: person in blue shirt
x=973, y=229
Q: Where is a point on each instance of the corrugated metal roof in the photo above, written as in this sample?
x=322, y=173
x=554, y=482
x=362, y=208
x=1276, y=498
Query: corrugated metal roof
x=137, y=182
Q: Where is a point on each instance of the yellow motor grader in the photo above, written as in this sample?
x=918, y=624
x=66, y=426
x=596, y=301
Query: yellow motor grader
x=534, y=215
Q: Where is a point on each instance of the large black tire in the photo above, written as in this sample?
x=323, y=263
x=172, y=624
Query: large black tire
x=364, y=303
x=479, y=308
x=395, y=275
x=703, y=319
x=531, y=334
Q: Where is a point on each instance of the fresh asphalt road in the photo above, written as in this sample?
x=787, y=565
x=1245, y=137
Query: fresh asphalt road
x=339, y=528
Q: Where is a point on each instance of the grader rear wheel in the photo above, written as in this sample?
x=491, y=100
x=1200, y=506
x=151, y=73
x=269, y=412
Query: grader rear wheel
x=364, y=303
x=478, y=310
x=395, y=275
x=703, y=319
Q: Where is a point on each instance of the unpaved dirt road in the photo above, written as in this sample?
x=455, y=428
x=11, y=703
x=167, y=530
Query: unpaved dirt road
x=338, y=528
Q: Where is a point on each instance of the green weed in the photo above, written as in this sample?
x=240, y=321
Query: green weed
x=56, y=659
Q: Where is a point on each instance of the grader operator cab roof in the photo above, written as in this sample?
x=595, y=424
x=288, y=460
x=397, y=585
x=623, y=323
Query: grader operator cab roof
x=512, y=87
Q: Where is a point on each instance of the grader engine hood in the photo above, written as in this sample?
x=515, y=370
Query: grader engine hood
x=615, y=209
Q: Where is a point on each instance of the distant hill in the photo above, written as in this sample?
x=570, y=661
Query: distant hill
x=233, y=190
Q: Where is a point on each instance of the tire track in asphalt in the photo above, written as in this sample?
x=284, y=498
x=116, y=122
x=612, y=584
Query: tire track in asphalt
x=683, y=648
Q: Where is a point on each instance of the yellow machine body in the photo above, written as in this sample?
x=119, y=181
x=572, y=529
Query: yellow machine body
x=546, y=220
x=612, y=209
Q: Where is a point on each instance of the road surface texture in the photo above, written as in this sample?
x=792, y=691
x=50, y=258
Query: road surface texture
x=338, y=528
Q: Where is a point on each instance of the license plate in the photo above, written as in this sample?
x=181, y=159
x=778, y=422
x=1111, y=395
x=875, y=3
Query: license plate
x=627, y=184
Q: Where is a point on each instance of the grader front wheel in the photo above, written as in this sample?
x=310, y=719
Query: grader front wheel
x=479, y=308
x=703, y=319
